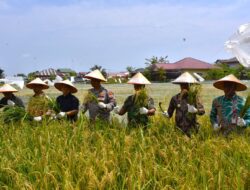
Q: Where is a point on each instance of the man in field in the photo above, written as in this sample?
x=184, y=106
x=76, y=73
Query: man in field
x=38, y=105
x=67, y=102
x=99, y=101
x=185, y=110
x=9, y=98
x=139, y=106
x=226, y=113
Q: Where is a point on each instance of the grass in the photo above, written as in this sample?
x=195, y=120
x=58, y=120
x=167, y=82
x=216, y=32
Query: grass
x=61, y=155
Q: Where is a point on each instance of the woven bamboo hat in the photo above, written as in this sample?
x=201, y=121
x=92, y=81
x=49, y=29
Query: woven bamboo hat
x=185, y=78
x=37, y=82
x=7, y=88
x=96, y=74
x=230, y=78
x=67, y=83
x=138, y=78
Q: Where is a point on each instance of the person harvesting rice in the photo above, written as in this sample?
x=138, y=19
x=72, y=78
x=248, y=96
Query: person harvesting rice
x=68, y=103
x=228, y=111
x=186, y=104
x=38, y=105
x=99, y=101
x=9, y=98
x=139, y=106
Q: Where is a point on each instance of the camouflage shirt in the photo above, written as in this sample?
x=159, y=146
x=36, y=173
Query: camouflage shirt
x=102, y=95
x=134, y=116
x=184, y=120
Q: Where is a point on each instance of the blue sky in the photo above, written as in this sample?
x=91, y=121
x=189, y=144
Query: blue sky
x=41, y=34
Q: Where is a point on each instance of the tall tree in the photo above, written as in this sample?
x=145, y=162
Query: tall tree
x=102, y=70
x=154, y=60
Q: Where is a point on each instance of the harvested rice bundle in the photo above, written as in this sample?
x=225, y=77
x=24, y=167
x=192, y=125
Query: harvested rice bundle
x=245, y=107
x=141, y=98
x=194, y=93
x=90, y=98
x=14, y=114
x=38, y=105
x=53, y=105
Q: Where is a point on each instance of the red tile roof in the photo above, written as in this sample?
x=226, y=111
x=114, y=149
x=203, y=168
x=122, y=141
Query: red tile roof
x=186, y=63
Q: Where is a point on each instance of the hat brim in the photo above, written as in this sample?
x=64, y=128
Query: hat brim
x=220, y=85
x=90, y=77
x=59, y=86
x=34, y=85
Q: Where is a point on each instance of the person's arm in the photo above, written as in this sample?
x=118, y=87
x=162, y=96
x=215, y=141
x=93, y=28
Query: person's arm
x=111, y=101
x=171, y=107
x=200, y=107
x=151, y=107
x=213, y=113
x=125, y=106
x=75, y=107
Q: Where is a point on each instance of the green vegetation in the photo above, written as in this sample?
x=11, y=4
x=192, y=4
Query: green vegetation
x=62, y=155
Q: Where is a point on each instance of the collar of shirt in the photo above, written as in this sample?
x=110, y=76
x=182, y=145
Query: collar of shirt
x=231, y=98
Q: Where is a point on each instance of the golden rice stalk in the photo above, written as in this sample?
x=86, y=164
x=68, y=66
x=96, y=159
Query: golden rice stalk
x=14, y=114
x=245, y=107
x=38, y=106
x=53, y=105
x=194, y=93
x=90, y=97
x=141, y=98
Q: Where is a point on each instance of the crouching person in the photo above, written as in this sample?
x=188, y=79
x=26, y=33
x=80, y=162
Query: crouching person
x=67, y=102
x=138, y=106
x=99, y=101
x=225, y=115
x=185, y=113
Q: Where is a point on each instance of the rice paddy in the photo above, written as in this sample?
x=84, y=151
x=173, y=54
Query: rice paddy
x=62, y=155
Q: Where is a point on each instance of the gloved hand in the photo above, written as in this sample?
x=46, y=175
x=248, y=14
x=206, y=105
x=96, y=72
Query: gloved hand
x=102, y=105
x=165, y=114
x=61, y=115
x=143, y=111
x=241, y=122
x=116, y=109
x=11, y=103
x=191, y=109
x=216, y=126
x=38, y=118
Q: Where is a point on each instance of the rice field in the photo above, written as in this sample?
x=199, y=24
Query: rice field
x=62, y=155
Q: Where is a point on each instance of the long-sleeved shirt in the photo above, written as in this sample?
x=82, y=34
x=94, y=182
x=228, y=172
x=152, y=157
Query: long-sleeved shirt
x=225, y=111
x=68, y=103
x=16, y=100
x=102, y=95
x=184, y=120
x=134, y=116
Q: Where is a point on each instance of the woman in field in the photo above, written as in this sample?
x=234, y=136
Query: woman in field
x=99, y=101
x=139, y=106
x=226, y=110
x=68, y=103
x=186, y=104
x=9, y=98
x=38, y=105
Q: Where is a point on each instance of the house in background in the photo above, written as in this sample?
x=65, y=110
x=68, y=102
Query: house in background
x=66, y=72
x=173, y=70
x=231, y=63
x=46, y=74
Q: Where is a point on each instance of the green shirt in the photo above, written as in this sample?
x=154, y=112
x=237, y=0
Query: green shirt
x=225, y=111
x=134, y=116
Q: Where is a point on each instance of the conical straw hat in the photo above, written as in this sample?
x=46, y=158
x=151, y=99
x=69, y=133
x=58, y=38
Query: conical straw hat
x=96, y=74
x=67, y=83
x=7, y=88
x=138, y=78
x=185, y=78
x=230, y=78
x=37, y=82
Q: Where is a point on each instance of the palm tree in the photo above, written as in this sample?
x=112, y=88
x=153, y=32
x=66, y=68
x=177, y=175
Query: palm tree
x=102, y=70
